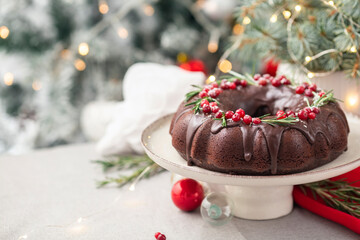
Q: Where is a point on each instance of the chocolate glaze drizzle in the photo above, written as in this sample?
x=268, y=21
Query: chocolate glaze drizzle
x=251, y=100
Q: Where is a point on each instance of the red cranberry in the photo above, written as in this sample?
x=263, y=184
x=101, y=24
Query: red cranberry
x=206, y=89
x=204, y=101
x=262, y=82
x=247, y=119
x=203, y=94
x=303, y=115
x=267, y=76
x=256, y=77
x=256, y=120
x=285, y=81
x=311, y=115
x=229, y=114
x=212, y=104
x=224, y=85
x=215, y=109
x=308, y=110
x=214, y=85
x=232, y=85
x=276, y=82
x=313, y=87
x=160, y=236
x=315, y=110
x=280, y=114
x=237, y=82
x=157, y=234
x=241, y=112
x=206, y=108
x=300, y=89
x=218, y=114
x=309, y=93
x=214, y=93
x=321, y=94
x=236, y=117
x=243, y=83
x=306, y=84
x=290, y=113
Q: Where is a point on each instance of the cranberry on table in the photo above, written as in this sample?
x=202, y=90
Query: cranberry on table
x=300, y=89
x=247, y=119
x=229, y=114
x=241, y=112
x=160, y=236
x=256, y=120
x=187, y=194
x=303, y=115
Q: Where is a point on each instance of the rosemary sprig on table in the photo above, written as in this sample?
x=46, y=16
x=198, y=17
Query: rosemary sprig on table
x=142, y=165
x=339, y=194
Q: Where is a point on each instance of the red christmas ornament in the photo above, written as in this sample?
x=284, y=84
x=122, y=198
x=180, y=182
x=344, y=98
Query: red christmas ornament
x=187, y=194
x=271, y=67
x=194, y=66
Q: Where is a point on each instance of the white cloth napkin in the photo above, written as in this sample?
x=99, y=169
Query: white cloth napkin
x=150, y=91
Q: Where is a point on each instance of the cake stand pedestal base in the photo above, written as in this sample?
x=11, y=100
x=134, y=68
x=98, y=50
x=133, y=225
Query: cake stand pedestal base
x=260, y=203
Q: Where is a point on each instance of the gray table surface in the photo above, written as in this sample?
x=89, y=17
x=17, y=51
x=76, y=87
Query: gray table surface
x=51, y=194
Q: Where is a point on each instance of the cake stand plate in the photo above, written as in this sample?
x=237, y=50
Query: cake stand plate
x=255, y=197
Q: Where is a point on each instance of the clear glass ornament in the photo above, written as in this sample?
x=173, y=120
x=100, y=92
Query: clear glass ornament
x=216, y=208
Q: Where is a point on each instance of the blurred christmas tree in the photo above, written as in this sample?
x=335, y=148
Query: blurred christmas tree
x=57, y=55
x=319, y=37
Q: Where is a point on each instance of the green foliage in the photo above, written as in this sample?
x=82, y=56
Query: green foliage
x=317, y=27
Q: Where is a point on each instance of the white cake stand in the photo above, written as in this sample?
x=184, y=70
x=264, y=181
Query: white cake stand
x=255, y=197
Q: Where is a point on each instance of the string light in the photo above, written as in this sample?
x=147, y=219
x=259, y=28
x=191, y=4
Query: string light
x=83, y=49
x=80, y=65
x=273, y=18
x=310, y=75
x=225, y=66
x=331, y=3
x=286, y=14
x=4, y=32
x=307, y=59
x=103, y=7
x=8, y=78
x=238, y=29
x=36, y=85
x=210, y=79
x=181, y=57
x=148, y=10
x=298, y=8
x=352, y=100
x=122, y=32
x=353, y=49
x=213, y=46
x=246, y=20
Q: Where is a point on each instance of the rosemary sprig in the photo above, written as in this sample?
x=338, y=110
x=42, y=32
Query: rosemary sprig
x=339, y=194
x=324, y=99
x=284, y=121
x=222, y=119
x=138, y=163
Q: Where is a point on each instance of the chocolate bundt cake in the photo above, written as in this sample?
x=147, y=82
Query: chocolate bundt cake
x=259, y=125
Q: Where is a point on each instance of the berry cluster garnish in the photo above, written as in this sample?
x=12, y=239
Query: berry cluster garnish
x=308, y=89
x=208, y=104
x=266, y=79
x=160, y=236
